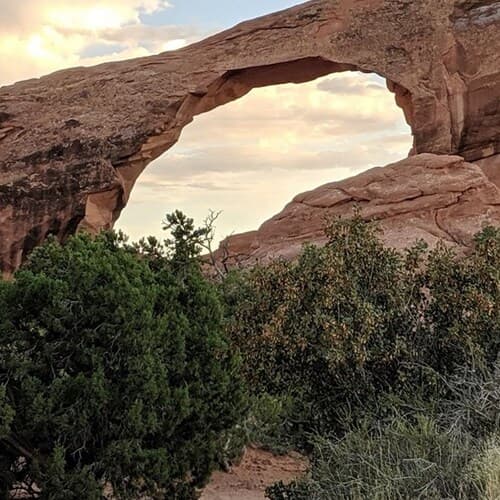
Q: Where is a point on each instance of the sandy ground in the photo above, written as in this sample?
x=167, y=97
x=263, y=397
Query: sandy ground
x=249, y=480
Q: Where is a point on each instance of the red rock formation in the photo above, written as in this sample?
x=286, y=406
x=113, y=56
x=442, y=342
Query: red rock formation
x=429, y=197
x=73, y=143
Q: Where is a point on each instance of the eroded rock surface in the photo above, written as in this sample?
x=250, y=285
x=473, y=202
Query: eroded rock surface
x=429, y=197
x=73, y=143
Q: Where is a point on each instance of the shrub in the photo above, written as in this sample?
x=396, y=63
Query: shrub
x=348, y=322
x=444, y=448
x=266, y=426
x=402, y=459
x=472, y=401
x=463, y=311
x=331, y=328
x=486, y=468
x=113, y=370
x=390, y=356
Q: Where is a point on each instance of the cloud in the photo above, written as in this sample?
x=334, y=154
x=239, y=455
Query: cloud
x=344, y=85
x=153, y=38
x=163, y=183
x=23, y=18
x=41, y=36
x=280, y=124
x=235, y=159
x=252, y=156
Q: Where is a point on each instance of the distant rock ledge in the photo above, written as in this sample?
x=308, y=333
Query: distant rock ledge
x=425, y=197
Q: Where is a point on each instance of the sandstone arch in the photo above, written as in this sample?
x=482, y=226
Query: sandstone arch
x=73, y=143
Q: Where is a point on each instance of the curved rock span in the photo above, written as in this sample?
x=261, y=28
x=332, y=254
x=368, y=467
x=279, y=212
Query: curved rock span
x=73, y=143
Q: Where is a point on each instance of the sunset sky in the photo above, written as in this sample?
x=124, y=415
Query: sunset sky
x=248, y=158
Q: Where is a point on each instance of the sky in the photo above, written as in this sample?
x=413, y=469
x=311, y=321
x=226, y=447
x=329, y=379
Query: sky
x=246, y=159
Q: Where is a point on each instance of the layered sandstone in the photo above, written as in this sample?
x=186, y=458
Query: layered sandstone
x=425, y=197
x=73, y=143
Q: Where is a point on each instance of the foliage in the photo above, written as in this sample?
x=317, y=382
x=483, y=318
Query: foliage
x=444, y=448
x=403, y=459
x=331, y=327
x=266, y=426
x=472, y=401
x=350, y=321
x=485, y=468
x=187, y=241
x=113, y=370
x=387, y=357
x=463, y=311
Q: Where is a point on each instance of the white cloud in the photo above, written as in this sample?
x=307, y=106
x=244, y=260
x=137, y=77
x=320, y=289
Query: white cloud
x=174, y=44
x=24, y=17
x=41, y=36
x=155, y=35
x=344, y=85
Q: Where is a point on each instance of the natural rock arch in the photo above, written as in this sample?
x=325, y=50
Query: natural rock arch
x=73, y=143
x=235, y=85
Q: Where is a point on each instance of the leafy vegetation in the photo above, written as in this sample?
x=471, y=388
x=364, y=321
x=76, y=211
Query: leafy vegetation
x=114, y=370
x=381, y=353
x=444, y=448
x=123, y=367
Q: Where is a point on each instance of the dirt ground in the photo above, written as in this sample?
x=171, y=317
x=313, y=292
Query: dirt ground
x=249, y=480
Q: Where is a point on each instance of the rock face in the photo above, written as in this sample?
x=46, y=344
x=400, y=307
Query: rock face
x=73, y=143
x=429, y=197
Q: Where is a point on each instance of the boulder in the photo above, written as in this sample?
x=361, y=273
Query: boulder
x=425, y=197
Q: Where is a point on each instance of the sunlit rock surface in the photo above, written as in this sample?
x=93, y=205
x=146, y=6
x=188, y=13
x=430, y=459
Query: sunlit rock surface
x=72, y=144
x=425, y=197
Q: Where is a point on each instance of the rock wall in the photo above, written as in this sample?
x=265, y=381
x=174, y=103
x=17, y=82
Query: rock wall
x=72, y=144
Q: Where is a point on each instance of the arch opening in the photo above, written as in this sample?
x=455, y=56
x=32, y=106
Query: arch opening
x=329, y=101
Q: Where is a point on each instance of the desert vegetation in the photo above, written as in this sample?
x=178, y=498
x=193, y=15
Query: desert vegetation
x=125, y=368
x=387, y=362
x=114, y=371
